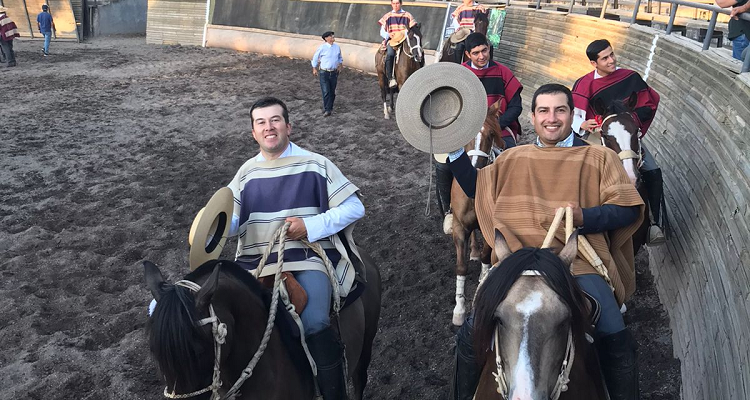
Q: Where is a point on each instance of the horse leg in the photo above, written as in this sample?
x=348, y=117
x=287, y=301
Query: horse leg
x=476, y=246
x=460, y=240
x=371, y=304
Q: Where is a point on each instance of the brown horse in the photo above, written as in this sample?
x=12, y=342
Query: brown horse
x=619, y=132
x=409, y=58
x=482, y=151
x=532, y=326
x=448, y=54
x=223, y=323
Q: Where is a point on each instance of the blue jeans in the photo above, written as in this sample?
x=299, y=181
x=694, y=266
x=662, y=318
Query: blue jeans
x=610, y=320
x=739, y=44
x=328, y=80
x=315, y=317
x=47, y=38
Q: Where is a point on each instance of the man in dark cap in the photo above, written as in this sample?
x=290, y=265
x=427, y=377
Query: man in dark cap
x=326, y=64
x=46, y=26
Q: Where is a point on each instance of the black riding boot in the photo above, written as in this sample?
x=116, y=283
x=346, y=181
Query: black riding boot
x=467, y=372
x=458, y=56
x=328, y=354
x=655, y=186
x=443, y=181
x=388, y=68
x=619, y=362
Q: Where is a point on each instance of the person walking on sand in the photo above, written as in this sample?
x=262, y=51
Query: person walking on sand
x=8, y=32
x=326, y=64
x=46, y=26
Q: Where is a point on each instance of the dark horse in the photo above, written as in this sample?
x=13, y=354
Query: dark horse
x=482, y=151
x=448, y=54
x=619, y=132
x=185, y=345
x=409, y=58
x=531, y=323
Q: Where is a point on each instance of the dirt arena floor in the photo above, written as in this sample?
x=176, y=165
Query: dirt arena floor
x=110, y=147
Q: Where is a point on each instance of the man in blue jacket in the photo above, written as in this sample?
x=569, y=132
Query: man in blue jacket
x=46, y=26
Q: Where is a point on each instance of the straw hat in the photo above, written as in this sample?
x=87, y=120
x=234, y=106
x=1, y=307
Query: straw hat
x=210, y=228
x=446, y=96
x=397, y=38
x=3, y=9
x=460, y=35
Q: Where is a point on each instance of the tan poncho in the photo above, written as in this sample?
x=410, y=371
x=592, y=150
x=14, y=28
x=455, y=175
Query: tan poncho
x=521, y=191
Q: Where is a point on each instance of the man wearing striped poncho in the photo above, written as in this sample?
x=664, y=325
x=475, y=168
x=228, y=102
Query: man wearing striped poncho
x=285, y=183
x=8, y=32
x=518, y=195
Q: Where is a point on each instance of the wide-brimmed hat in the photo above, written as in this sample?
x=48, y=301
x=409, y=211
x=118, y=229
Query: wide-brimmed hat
x=441, y=107
x=460, y=35
x=397, y=38
x=210, y=228
x=3, y=9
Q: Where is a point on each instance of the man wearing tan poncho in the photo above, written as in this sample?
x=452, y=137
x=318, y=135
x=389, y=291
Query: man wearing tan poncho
x=519, y=195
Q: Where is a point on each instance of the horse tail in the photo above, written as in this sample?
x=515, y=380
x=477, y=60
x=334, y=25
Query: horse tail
x=175, y=340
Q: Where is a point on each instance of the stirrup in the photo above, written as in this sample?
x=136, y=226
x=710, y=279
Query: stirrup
x=392, y=83
x=655, y=236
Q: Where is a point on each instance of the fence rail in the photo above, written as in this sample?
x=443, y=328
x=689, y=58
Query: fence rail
x=715, y=10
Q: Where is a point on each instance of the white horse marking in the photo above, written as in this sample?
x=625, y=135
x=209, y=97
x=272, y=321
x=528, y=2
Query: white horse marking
x=523, y=375
x=459, y=311
x=618, y=131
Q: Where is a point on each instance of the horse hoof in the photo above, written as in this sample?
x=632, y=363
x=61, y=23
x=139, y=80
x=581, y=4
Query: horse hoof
x=458, y=319
x=387, y=116
x=474, y=257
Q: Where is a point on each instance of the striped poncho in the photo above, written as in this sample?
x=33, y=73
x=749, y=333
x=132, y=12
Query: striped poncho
x=267, y=192
x=520, y=193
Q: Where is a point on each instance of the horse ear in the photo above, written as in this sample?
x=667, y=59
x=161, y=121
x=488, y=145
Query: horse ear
x=570, y=251
x=203, y=297
x=154, y=279
x=599, y=107
x=631, y=102
x=502, y=251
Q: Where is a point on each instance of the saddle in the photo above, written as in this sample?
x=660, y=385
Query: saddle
x=297, y=294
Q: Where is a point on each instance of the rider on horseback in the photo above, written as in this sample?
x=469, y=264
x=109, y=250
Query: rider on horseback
x=606, y=207
x=610, y=83
x=394, y=23
x=499, y=83
x=463, y=18
x=285, y=183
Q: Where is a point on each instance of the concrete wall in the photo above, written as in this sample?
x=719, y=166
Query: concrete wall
x=701, y=138
x=121, y=17
x=355, y=21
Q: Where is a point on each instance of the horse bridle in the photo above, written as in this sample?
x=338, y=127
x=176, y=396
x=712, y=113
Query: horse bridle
x=219, y=330
x=561, y=385
x=477, y=152
x=627, y=154
x=417, y=46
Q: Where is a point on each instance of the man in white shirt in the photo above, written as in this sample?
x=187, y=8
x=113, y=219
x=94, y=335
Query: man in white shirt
x=326, y=64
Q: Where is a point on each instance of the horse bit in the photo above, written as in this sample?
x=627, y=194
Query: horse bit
x=561, y=385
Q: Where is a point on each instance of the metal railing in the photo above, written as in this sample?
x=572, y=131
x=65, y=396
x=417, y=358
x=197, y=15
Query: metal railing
x=715, y=10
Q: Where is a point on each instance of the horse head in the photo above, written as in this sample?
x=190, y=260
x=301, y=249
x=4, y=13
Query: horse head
x=488, y=144
x=193, y=321
x=481, y=22
x=414, y=44
x=531, y=311
x=620, y=132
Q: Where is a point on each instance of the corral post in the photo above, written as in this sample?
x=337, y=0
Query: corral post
x=672, y=15
x=635, y=11
x=710, y=31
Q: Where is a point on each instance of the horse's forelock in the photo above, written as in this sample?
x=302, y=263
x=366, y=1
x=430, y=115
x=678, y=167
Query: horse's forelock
x=497, y=285
x=178, y=345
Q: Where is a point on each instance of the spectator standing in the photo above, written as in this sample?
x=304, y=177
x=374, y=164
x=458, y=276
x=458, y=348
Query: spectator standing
x=8, y=32
x=326, y=64
x=46, y=26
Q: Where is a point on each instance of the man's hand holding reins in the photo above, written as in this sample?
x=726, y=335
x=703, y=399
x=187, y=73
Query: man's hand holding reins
x=589, y=125
x=297, y=229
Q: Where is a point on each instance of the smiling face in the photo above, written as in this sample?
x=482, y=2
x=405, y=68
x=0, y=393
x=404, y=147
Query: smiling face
x=606, y=62
x=271, y=131
x=479, y=55
x=552, y=118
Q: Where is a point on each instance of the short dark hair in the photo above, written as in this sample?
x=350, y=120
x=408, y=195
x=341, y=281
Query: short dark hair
x=596, y=47
x=474, y=40
x=552, y=88
x=268, y=102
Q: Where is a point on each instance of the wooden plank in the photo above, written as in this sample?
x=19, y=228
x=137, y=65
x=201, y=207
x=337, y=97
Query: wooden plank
x=176, y=22
x=24, y=12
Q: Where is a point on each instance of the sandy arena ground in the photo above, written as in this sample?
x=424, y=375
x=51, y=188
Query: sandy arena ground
x=110, y=147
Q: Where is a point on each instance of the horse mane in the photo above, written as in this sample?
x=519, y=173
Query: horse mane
x=497, y=284
x=178, y=344
x=480, y=16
